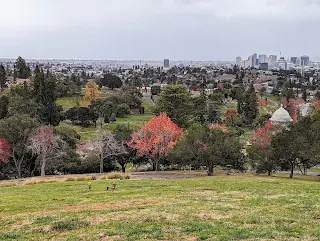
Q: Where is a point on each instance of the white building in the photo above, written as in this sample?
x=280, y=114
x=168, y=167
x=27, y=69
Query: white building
x=281, y=117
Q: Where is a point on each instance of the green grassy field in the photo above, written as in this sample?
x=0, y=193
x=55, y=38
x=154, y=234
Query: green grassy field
x=206, y=208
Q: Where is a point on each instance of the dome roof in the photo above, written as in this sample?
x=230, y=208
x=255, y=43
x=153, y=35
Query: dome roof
x=281, y=115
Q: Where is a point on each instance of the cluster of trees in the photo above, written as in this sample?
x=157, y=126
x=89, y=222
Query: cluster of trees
x=28, y=148
x=37, y=99
x=276, y=148
x=68, y=86
x=183, y=109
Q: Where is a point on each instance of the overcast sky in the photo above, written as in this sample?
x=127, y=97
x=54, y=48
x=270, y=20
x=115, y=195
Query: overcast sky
x=158, y=29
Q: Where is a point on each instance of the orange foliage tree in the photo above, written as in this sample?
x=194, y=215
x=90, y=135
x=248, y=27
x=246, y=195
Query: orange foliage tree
x=91, y=91
x=156, y=138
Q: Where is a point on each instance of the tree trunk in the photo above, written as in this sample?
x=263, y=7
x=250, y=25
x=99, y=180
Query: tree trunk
x=210, y=170
x=123, y=167
x=101, y=163
x=291, y=172
x=157, y=165
x=269, y=173
x=43, y=167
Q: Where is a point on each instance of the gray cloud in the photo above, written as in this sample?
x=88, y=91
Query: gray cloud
x=156, y=29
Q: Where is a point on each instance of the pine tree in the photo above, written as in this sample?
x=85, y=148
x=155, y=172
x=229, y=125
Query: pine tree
x=22, y=69
x=4, y=104
x=3, y=77
x=250, y=108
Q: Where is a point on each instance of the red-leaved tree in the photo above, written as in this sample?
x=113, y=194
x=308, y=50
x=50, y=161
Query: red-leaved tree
x=46, y=145
x=216, y=126
x=262, y=136
x=156, y=138
x=229, y=116
x=5, y=151
x=260, y=152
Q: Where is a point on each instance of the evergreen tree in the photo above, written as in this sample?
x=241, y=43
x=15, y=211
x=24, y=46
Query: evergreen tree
x=175, y=100
x=250, y=107
x=4, y=104
x=304, y=94
x=22, y=69
x=3, y=78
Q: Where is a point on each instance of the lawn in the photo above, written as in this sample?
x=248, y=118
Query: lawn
x=204, y=208
x=88, y=133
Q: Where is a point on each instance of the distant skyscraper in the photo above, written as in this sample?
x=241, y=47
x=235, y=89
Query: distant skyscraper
x=293, y=60
x=304, y=60
x=238, y=60
x=263, y=58
x=272, y=61
x=166, y=63
x=254, y=60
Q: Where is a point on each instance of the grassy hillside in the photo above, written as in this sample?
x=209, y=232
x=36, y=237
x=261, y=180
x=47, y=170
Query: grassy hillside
x=205, y=208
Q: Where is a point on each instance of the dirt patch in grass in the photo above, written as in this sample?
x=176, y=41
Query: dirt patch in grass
x=213, y=216
x=135, y=203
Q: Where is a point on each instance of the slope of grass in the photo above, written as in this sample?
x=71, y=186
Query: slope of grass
x=206, y=208
x=88, y=133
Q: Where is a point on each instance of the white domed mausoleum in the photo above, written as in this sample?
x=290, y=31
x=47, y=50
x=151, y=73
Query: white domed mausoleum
x=281, y=117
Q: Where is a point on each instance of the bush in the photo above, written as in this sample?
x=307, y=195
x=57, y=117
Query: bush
x=123, y=110
x=113, y=117
x=117, y=175
x=106, y=119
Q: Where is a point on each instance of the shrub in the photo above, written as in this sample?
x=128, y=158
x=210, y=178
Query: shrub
x=117, y=175
x=123, y=110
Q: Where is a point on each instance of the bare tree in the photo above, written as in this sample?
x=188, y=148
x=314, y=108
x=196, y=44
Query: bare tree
x=106, y=145
x=47, y=146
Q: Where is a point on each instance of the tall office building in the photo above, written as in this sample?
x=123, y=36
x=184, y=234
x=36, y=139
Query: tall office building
x=238, y=60
x=263, y=58
x=293, y=60
x=305, y=60
x=254, y=60
x=166, y=63
x=272, y=61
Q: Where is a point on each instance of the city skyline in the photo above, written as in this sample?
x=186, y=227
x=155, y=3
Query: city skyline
x=205, y=30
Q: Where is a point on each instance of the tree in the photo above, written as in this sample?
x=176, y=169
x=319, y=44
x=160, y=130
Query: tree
x=155, y=139
x=217, y=98
x=123, y=110
x=82, y=116
x=46, y=146
x=250, y=107
x=5, y=151
x=304, y=94
x=16, y=130
x=3, y=77
x=200, y=109
x=4, y=105
x=260, y=152
x=209, y=147
x=175, y=101
x=22, y=69
x=91, y=91
x=123, y=134
x=106, y=145
x=111, y=81
x=230, y=115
